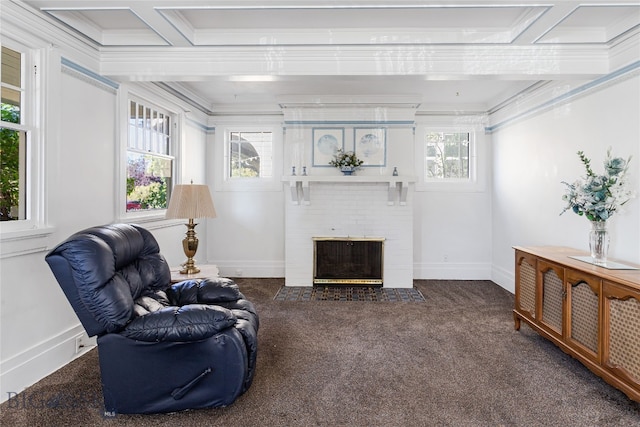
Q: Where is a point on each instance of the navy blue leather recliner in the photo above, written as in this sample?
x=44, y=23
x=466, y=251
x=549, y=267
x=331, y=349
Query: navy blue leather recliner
x=162, y=347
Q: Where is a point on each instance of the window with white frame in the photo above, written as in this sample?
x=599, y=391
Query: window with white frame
x=447, y=155
x=450, y=158
x=250, y=154
x=150, y=161
x=14, y=138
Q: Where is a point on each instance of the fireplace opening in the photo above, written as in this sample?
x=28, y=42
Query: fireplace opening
x=348, y=261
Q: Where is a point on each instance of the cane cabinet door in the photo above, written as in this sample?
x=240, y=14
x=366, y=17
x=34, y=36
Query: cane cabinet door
x=552, y=297
x=526, y=284
x=583, y=313
x=622, y=326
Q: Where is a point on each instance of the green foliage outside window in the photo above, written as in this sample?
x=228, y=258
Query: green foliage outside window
x=148, y=181
x=9, y=164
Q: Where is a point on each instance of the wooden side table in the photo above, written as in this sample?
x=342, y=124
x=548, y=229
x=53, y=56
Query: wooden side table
x=206, y=271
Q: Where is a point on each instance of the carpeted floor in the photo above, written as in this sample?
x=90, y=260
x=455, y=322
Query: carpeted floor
x=452, y=360
x=347, y=293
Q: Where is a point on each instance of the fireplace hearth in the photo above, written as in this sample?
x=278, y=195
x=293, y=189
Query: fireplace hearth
x=348, y=261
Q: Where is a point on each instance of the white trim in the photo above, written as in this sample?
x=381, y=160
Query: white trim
x=146, y=97
x=452, y=271
x=250, y=268
x=504, y=278
x=41, y=76
x=24, y=242
x=221, y=159
x=31, y=365
x=478, y=159
x=554, y=95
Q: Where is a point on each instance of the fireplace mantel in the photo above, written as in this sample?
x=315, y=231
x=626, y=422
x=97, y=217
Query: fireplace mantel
x=299, y=185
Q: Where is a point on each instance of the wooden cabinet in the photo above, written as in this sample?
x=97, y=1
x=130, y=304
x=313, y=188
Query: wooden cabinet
x=590, y=312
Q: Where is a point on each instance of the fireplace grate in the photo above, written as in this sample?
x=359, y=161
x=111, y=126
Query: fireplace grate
x=348, y=261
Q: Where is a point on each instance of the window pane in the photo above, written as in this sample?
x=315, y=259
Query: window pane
x=13, y=143
x=11, y=73
x=12, y=173
x=11, y=67
x=250, y=155
x=447, y=155
x=149, y=181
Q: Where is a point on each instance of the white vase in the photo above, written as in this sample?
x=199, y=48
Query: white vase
x=599, y=242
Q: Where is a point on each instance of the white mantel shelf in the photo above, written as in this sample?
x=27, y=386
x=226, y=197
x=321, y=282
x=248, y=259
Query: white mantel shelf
x=299, y=185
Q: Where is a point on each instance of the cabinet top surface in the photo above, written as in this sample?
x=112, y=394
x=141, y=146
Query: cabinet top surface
x=562, y=255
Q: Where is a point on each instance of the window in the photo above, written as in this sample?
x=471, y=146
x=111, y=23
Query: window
x=450, y=157
x=149, y=159
x=250, y=154
x=247, y=157
x=13, y=138
x=447, y=155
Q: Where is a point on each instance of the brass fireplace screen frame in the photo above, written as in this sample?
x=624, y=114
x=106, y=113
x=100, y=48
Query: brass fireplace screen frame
x=376, y=281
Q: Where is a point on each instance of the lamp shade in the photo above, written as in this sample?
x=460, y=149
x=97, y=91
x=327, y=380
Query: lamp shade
x=191, y=201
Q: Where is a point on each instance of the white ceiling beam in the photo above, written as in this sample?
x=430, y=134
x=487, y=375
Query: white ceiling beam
x=432, y=62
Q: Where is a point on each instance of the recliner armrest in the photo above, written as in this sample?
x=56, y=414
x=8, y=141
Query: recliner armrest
x=204, y=291
x=191, y=322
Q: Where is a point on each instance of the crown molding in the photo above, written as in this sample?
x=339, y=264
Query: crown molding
x=30, y=27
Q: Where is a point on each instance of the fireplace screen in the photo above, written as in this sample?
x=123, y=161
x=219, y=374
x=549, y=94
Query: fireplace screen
x=348, y=261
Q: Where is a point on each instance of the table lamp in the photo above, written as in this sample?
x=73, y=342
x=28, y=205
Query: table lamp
x=190, y=201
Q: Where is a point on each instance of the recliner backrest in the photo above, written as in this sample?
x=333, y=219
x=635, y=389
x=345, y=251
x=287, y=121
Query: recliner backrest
x=102, y=270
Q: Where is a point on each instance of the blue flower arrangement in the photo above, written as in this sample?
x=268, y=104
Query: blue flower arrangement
x=598, y=197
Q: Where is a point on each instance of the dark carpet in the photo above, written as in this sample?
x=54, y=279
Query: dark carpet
x=452, y=360
x=347, y=293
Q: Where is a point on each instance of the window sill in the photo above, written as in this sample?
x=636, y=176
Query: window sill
x=24, y=242
x=152, y=221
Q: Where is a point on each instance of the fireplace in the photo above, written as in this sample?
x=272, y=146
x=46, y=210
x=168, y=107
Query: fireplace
x=348, y=261
x=349, y=209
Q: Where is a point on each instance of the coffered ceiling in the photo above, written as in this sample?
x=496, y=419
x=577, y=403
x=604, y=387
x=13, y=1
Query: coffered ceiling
x=466, y=55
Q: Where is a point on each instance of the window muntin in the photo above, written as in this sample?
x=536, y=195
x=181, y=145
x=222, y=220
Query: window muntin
x=447, y=155
x=250, y=154
x=149, y=160
x=13, y=138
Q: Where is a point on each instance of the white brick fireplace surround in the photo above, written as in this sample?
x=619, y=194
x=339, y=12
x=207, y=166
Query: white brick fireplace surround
x=349, y=207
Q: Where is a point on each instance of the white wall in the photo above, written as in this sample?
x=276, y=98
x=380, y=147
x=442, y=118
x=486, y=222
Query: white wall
x=37, y=322
x=532, y=156
x=452, y=228
x=452, y=221
x=37, y=325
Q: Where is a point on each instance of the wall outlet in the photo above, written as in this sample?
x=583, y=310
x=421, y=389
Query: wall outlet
x=81, y=343
x=238, y=272
x=445, y=258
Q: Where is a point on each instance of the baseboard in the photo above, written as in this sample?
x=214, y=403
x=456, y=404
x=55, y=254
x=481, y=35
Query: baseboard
x=30, y=366
x=452, y=271
x=445, y=270
x=504, y=278
x=241, y=268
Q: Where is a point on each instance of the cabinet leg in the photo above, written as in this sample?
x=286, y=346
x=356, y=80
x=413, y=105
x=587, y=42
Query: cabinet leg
x=516, y=321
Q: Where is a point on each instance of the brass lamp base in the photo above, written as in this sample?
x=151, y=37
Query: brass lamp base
x=190, y=246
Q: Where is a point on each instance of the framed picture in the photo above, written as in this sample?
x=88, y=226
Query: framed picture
x=371, y=146
x=326, y=141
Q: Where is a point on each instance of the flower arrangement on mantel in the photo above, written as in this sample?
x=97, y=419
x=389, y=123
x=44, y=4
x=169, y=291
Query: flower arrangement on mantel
x=598, y=197
x=346, y=161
